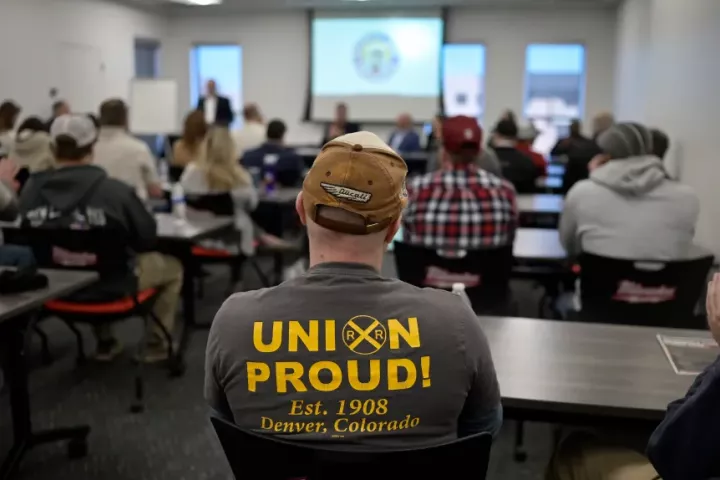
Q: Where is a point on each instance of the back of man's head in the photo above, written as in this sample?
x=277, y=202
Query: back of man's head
x=660, y=142
x=507, y=129
x=60, y=108
x=114, y=113
x=353, y=196
x=73, y=137
x=462, y=139
x=251, y=113
x=276, y=130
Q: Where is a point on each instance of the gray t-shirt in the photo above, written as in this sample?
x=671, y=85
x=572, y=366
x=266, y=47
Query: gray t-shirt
x=343, y=355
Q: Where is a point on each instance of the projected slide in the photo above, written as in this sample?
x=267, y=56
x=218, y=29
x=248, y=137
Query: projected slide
x=380, y=67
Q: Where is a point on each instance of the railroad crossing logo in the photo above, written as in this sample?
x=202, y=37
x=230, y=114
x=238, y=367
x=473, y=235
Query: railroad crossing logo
x=364, y=335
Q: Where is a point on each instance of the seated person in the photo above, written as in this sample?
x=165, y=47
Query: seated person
x=218, y=172
x=461, y=206
x=629, y=208
x=187, y=149
x=575, y=141
x=274, y=158
x=59, y=108
x=252, y=135
x=339, y=126
x=78, y=194
x=525, y=140
x=31, y=148
x=272, y=367
x=578, y=151
x=123, y=156
x=660, y=142
x=517, y=167
x=11, y=255
x=404, y=138
x=433, y=138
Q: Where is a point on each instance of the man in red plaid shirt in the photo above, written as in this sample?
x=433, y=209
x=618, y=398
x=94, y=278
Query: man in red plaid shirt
x=460, y=207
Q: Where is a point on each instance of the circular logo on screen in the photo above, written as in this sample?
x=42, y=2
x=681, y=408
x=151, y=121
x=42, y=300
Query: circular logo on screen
x=376, y=56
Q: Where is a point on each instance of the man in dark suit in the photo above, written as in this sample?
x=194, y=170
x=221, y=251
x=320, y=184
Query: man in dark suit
x=340, y=126
x=217, y=110
x=404, y=139
x=273, y=157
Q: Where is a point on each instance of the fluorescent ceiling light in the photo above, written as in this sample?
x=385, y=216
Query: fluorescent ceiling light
x=201, y=3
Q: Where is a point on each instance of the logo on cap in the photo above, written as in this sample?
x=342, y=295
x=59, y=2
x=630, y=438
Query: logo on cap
x=346, y=193
x=468, y=134
x=376, y=56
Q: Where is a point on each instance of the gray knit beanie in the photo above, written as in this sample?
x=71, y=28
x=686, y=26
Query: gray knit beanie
x=625, y=140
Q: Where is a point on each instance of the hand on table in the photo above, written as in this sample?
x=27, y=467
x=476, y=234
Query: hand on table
x=712, y=304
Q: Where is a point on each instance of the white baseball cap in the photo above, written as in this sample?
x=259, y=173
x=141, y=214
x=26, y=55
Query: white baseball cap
x=80, y=128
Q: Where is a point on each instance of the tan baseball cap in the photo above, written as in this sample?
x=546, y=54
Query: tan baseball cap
x=358, y=173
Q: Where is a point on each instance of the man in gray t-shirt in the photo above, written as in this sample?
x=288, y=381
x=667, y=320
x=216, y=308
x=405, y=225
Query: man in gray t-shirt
x=342, y=354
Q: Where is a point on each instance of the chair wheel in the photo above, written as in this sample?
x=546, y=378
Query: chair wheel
x=137, y=408
x=520, y=456
x=177, y=367
x=77, y=448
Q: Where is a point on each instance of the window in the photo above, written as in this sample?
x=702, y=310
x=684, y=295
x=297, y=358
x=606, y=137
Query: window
x=464, y=80
x=222, y=63
x=554, y=90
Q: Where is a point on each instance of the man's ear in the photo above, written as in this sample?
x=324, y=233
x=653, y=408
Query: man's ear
x=300, y=208
x=392, y=231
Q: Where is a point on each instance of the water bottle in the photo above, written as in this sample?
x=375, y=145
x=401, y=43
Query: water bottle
x=179, y=209
x=164, y=171
x=459, y=290
x=269, y=183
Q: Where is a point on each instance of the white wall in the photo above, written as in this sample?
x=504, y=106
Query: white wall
x=679, y=93
x=96, y=37
x=633, y=53
x=275, y=56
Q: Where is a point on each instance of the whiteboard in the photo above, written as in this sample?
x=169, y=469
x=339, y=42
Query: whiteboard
x=153, y=106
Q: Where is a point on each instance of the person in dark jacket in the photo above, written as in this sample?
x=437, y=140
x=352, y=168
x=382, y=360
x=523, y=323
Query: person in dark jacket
x=516, y=166
x=274, y=158
x=683, y=446
x=340, y=126
x=579, y=150
x=217, y=109
x=80, y=195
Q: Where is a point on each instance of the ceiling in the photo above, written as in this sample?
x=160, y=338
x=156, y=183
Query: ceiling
x=254, y=5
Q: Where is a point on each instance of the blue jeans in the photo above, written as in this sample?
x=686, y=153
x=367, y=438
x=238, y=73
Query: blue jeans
x=16, y=256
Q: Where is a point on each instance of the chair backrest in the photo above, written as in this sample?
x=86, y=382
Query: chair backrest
x=220, y=204
x=485, y=273
x=246, y=453
x=651, y=293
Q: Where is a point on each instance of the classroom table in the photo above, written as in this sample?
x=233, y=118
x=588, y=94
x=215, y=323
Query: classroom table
x=177, y=238
x=540, y=210
x=15, y=316
x=538, y=245
x=549, y=184
x=583, y=373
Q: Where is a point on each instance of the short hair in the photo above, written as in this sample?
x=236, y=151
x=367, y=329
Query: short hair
x=58, y=105
x=276, y=130
x=575, y=127
x=250, y=111
x=507, y=128
x=9, y=112
x=113, y=113
x=32, y=124
x=660, y=143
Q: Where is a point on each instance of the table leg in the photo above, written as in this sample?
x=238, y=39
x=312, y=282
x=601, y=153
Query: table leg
x=16, y=373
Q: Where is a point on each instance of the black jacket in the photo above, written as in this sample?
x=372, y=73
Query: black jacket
x=85, y=195
x=224, y=115
x=286, y=165
x=683, y=446
x=518, y=169
x=579, y=151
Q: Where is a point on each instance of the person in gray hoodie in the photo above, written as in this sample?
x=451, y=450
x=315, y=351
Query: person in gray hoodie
x=629, y=207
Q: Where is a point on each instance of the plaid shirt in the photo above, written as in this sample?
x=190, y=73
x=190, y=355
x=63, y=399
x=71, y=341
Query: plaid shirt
x=465, y=208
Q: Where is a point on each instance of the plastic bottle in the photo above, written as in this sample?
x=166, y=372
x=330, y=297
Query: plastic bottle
x=164, y=171
x=459, y=290
x=179, y=209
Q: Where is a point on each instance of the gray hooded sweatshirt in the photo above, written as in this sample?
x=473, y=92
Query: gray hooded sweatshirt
x=629, y=209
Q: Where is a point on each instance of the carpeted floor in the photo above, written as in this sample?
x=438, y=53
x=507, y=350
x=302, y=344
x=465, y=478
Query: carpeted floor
x=172, y=439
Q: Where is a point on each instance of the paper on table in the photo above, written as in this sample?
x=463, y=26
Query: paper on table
x=688, y=355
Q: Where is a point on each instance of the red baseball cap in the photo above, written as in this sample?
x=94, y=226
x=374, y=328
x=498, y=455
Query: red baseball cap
x=461, y=133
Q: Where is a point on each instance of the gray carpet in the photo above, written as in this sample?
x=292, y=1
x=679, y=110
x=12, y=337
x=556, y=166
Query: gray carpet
x=172, y=439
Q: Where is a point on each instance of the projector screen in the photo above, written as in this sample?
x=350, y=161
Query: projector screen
x=379, y=67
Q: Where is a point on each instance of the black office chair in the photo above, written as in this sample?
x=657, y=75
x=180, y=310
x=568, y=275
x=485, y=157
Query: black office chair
x=485, y=273
x=259, y=457
x=106, y=252
x=221, y=204
x=648, y=293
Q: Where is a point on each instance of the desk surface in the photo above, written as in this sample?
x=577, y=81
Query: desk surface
x=194, y=228
x=582, y=368
x=60, y=283
x=540, y=203
x=538, y=244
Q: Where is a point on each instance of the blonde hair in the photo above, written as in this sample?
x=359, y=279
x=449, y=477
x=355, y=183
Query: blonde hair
x=220, y=162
